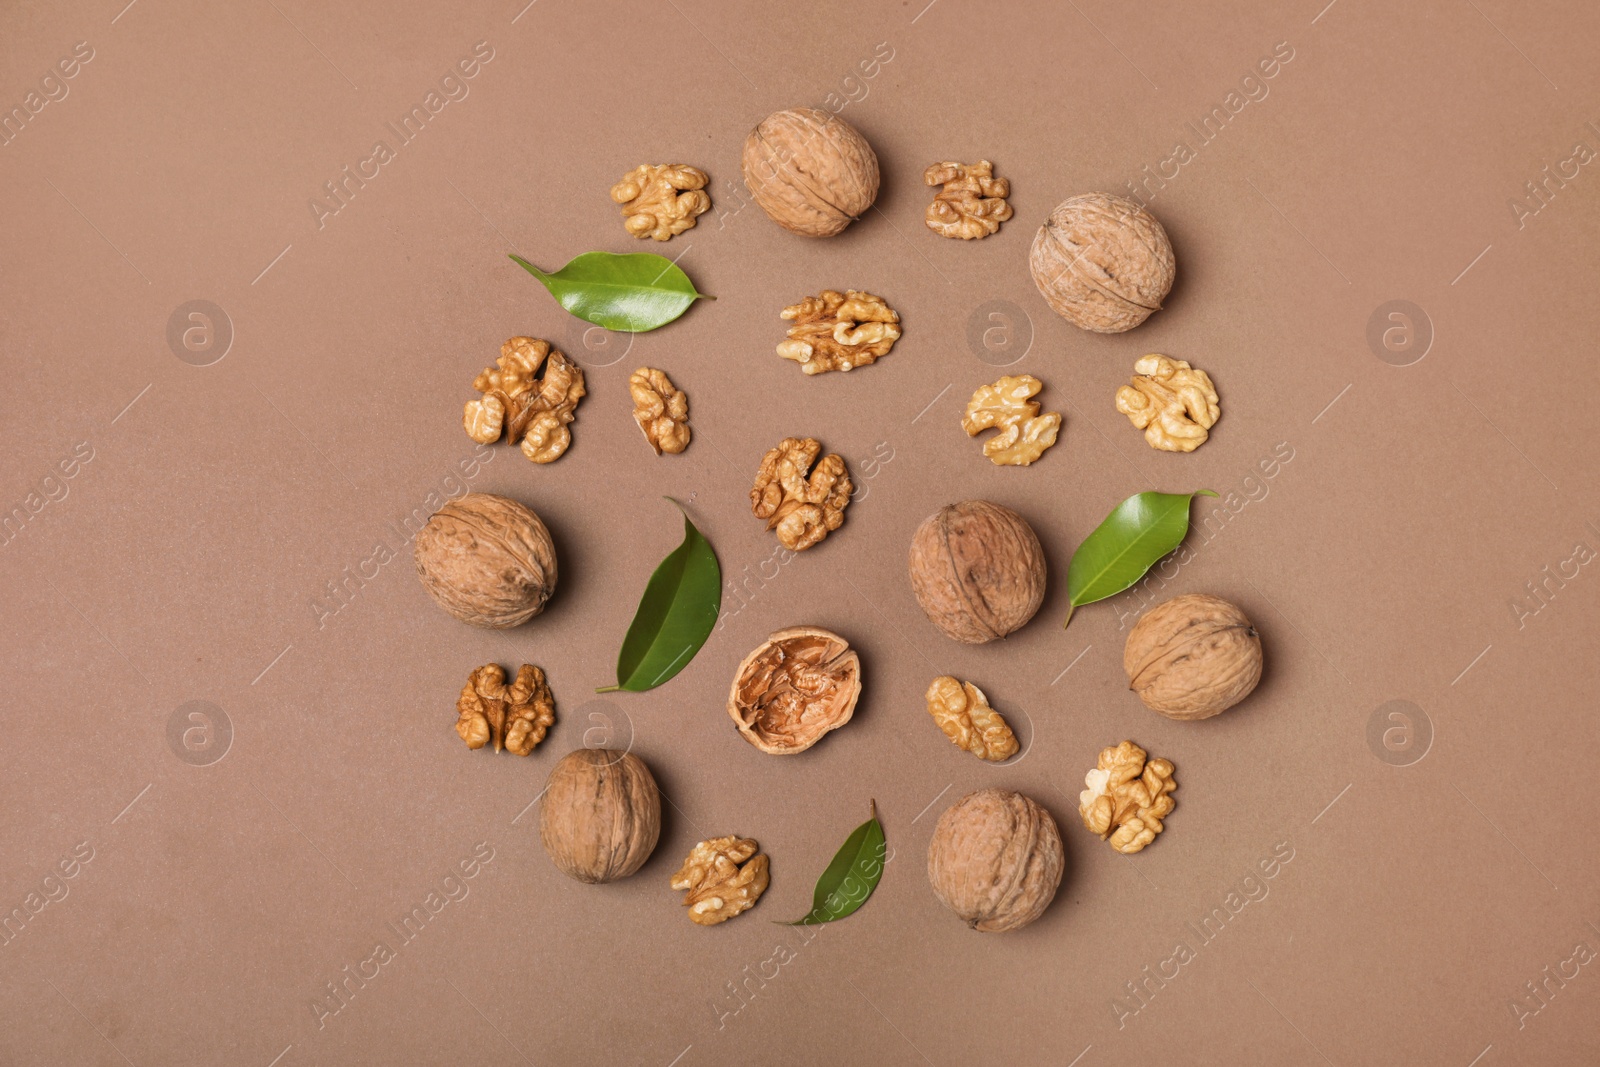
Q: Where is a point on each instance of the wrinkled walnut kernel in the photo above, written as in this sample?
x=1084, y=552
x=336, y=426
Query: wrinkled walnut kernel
x=839, y=331
x=515, y=716
x=1008, y=405
x=963, y=713
x=661, y=409
x=802, y=510
x=1173, y=403
x=718, y=887
x=531, y=412
x=660, y=201
x=1127, y=797
x=972, y=203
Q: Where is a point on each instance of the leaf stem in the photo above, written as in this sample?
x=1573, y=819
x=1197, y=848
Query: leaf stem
x=1071, y=607
x=610, y=689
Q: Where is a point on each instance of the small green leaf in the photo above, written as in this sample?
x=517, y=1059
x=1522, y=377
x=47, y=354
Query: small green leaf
x=676, y=615
x=1137, y=533
x=634, y=291
x=851, y=877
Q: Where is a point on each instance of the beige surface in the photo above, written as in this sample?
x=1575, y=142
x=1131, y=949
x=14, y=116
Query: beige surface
x=210, y=507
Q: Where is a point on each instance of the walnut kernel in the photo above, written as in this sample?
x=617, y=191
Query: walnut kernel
x=1102, y=262
x=1173, y=403
x=972, y=203
x=797, y=686
x=1127, y=797
x=839, y=331
x=660, y=201
x=803, y=510
x=1008, y=405
x=717, y=886
x=962, y=711
x=661, y=409
x=531, y=412
x=516, y=715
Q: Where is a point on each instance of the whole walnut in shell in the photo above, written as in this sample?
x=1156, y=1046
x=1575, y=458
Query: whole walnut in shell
x=800, y=684
x=487, y=560
x=996, y=860
x=977, y=570
x=600, y=815
x=1193, y=657
x=1102, y=262
x=811, y=172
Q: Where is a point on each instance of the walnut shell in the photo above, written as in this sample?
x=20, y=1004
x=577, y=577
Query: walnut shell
x=996, y=860
x=1192, y=657
x=977, y=570
x=487, y=560
x=600, y=815
x=800, y=684
x=811, y=172
x=1102, y=262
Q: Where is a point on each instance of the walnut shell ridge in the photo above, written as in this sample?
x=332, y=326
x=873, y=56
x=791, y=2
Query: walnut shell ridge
x=487, y=560
x=811, y=172
x=1192, y=657
x=600, y=816
x=996, y=860
x=1102, y=262
x=977, y=570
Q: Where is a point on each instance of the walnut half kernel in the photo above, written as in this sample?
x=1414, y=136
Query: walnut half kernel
x=722, y=877
x=1173, y=403
x=1127, y=797
x=972, y=203
x=533, y=413
x=515, y=716
x=801, y=508
x=661, y=201
x=661, y=409
x=1008, y=406
x=839, y=331
x=962, y=711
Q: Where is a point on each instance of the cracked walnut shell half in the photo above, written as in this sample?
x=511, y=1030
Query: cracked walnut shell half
x=801, y=508
x=514, y=716
x=962, y=711
x=722, y=877
x=531, y=412
x=800, y=684
x=972, y=203
x=1192, y=657
x=1127, y=797
x=661, y=201
x=839, y=331
x=661, y=409
x=1173, y=403
x=1008, y=406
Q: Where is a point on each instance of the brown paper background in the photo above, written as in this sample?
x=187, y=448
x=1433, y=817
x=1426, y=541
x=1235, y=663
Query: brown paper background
x=1380, y=564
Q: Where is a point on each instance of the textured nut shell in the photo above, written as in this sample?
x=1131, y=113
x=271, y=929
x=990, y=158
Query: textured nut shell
x=1193, y=657
x=487, y=560
x=996, y=860
x=1102, y=262
x=811, y=172
x=600, y=815
x=977, y=570
x=840, y=703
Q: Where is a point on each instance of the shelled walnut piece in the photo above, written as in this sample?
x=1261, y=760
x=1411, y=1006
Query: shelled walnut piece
x=839, y=331
x=1173, y=403
x=1127, y=797
x=1008, y=405
x=515, y=715
x=661, y=409
x=723, y=877
x=962, y=711
x=802, y=508
x=797, y=686
x=972, y=203
x=531, y=412
x=662, y=200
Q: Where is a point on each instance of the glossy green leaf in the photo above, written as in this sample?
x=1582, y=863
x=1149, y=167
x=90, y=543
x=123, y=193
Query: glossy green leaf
x=676, y=615
x=851, y=877
x=1137, y=533
x=634, y=291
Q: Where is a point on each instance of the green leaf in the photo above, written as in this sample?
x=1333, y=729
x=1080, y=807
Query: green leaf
x=1137, y=533
x=676, y=615
x=634, y=292
x=851, y=877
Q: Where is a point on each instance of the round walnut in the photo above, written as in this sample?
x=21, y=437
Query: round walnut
x=996, y=860
x=1193, y=657
x=1102, y=262
x=800, y=684
x=977, y=570
x=487, y=560
x=811, y=172
x=600, y=815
